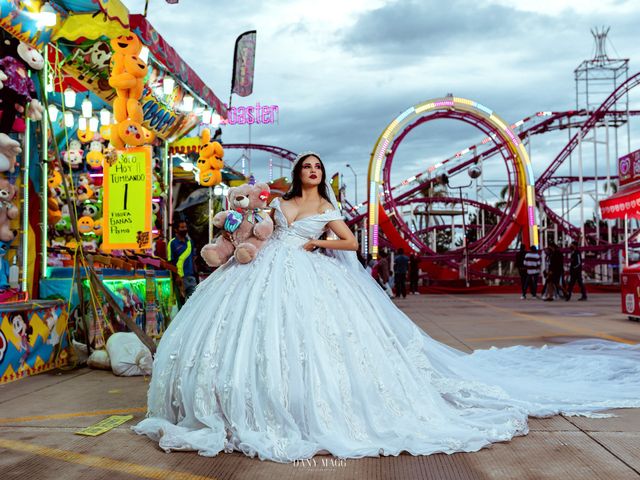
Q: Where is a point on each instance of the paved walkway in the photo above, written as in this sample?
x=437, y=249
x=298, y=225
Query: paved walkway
x=39, y=415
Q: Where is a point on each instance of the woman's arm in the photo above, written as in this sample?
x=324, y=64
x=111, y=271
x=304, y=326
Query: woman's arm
x=347, y=241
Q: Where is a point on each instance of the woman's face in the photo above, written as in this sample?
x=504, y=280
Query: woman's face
x=311, y=172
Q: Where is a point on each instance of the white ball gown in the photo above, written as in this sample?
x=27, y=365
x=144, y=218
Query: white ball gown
x=298, y=352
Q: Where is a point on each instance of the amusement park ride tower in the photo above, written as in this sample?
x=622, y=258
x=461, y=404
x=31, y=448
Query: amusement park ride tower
x=595, y=80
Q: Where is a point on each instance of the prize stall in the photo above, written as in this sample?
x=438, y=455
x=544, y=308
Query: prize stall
x=625, y=205
x=33, y=333
x=87, y=211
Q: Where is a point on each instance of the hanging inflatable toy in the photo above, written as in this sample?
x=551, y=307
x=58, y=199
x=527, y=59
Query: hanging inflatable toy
x=127, y=77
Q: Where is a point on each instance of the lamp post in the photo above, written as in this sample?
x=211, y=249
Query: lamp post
x=356, y=185
x=474, y=172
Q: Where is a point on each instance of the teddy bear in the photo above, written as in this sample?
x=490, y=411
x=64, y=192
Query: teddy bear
x=9, y=150
x=209, y=162
x=245, y=226
x=8, y=211
x=73, y=156
x=127, y=77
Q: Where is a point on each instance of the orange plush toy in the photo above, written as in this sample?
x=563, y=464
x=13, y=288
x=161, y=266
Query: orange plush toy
x=210, y=161
x=127, y=77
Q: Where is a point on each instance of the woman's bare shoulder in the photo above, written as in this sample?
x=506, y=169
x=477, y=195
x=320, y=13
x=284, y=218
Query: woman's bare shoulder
x=326, y=206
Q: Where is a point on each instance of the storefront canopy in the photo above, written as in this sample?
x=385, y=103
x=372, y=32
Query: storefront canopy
x=166, y=55
x=624, y=202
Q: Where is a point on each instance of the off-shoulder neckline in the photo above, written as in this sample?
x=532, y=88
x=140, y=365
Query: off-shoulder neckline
x=289, y=225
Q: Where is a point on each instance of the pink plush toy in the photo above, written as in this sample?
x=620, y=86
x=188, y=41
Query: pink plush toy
x=245, y=227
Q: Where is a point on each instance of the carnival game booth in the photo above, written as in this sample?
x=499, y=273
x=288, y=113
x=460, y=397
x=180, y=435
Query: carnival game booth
x=625, y=205
x=33, y=333
x=87, y=204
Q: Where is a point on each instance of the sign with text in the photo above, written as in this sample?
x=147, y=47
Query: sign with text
x=127, y=200
x=629, y=168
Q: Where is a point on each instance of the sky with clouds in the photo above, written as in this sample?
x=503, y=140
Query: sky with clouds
x=341, y=70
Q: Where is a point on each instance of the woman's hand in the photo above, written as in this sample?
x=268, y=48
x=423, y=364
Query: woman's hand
x=311, y=245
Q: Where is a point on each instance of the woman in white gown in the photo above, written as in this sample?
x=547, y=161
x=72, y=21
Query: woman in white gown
x=301, y=352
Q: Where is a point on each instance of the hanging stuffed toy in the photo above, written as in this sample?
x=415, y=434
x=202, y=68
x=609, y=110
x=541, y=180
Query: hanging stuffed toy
x=209, y=162
x=9, y=150
x=73, y=156
x=8, y=211
x=127, y=77
x=18, y=93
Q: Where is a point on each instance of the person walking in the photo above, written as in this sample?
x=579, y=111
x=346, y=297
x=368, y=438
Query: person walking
x=575, y=273
x=522, y=270
x=556, y=267
x=381, y=270
x=532, y=264
x=414, y=274
x=401, y=267
x=181, y=253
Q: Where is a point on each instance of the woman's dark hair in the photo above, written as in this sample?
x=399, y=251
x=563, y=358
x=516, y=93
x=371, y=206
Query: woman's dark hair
x=295, y=190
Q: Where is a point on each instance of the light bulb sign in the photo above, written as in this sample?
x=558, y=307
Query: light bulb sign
x=127, y=200
x=252, y=114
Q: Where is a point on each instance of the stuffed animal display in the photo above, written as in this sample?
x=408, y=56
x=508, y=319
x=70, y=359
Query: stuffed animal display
x=245, y=227
x=17, y=91
x=209, y=161
x=127, y=77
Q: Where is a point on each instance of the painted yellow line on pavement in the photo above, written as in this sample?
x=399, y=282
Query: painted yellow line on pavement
x=520, y=337
x=99, y=462
x=55, y=416
x=548, y=321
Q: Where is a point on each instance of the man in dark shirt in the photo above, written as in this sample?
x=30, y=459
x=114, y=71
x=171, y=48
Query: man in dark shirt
x=556, y=267
x=575, y=272
x=181, y=253
x=400, y=268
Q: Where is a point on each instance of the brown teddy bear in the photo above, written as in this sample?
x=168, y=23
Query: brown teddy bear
x=8, y=211
x=245, y=227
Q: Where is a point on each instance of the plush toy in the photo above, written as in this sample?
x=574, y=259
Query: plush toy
x=84, y=190
x=97, y=227
x=85, y=225
x=95, y=156
x=90, y=245
x=210, y=161
x=155, y=209
x=245, y=227
x=89, y=209
x=127, y=77
x=18, y=93
x=8, y=211
x=9, y=150
x=54, y=214
x=73, y=156
x=86, y=136
x=54, y=180
x=64, y=225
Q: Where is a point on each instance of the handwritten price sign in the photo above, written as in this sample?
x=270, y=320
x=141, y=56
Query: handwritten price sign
x=127, y=200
